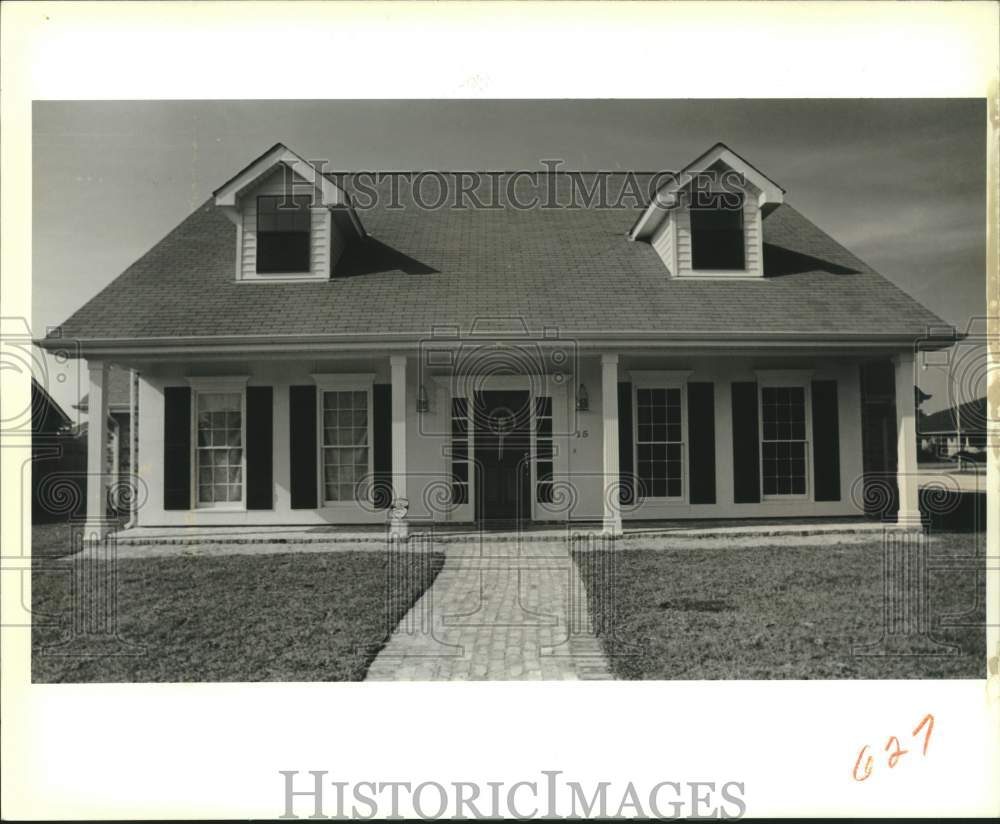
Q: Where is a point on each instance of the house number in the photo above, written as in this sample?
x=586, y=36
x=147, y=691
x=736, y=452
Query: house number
x=583, y=433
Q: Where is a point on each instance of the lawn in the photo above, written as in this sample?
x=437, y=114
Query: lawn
x=289, y=617
x=776, y=612
x=51, y=540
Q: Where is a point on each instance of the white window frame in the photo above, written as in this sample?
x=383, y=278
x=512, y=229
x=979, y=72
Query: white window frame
x=669, y=379
x=341, y=382
x=785, y=379
x=225, y=385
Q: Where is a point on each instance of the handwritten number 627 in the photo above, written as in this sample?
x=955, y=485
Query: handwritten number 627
x=865, y=763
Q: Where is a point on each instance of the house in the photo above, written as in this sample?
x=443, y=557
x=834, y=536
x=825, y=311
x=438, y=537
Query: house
x=58, y=460
x=960, y=428
x=317, y=348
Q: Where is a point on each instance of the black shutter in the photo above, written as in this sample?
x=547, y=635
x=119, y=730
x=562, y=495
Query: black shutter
x=701, y=442
x=302, y=437
x=382, y=445
x=260, y=462
x=746, y=444
x=177, y=447
x=626, y=470
x=826, y=441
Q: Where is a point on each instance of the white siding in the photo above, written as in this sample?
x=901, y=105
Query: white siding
x=752, y=237
x=663, y=242
x=683, y=218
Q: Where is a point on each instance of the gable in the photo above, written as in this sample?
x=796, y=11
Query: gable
x=330, y=194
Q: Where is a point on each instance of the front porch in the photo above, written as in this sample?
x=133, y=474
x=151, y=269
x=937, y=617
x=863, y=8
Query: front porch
x=318, y=448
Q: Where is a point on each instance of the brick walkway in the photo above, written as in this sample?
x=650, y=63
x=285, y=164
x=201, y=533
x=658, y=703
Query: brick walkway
x=497, y=611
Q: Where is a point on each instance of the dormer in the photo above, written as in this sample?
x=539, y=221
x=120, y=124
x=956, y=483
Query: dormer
x=706, y=221
x=292, y=222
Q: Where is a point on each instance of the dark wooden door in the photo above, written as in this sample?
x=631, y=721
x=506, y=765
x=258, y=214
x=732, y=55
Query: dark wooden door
x=502, y=421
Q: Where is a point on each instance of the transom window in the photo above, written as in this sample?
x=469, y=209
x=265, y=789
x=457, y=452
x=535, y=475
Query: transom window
x=220, y=448
x=717, y=232
x=659, y=449
x=345, y=443
x=783, y=430
x=283, y=227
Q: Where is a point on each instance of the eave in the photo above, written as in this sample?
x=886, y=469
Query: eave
x=688, y=343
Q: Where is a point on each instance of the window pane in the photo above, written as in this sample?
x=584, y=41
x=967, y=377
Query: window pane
x=717, y=233
x=544, y=449
x=783, y=452
x=459, y=451
x=283, y=233
x=658, y=442
x=345, y=443
x=219, y=447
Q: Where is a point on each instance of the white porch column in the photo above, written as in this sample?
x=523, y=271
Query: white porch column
x=133, y=446
x=906, y=441
x=609, y=404
x=400, y=504
x=97, y=437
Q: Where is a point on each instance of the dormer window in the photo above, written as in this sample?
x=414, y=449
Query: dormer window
x=712, y=231
x=283, y=233
x=717, y=236
x=292, y=222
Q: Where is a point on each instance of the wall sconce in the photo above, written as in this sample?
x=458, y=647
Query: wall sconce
x=582, y=399
x=422, y=403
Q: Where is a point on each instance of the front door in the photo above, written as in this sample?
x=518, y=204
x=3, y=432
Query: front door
x=503, y=445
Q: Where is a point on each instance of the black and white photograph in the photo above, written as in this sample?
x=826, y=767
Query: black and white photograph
x=518, y=418
x=364, y=398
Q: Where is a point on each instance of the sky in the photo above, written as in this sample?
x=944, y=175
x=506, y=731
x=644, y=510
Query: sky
x=901, y=183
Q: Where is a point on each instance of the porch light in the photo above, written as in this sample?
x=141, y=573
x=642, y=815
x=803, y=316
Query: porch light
x=582, y=399
x=422, y=404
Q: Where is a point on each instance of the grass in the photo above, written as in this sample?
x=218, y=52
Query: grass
x=51, y=540
x=776, y=612
x=290, y=617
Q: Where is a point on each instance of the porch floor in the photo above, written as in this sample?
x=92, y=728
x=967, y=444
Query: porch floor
x=646, y=533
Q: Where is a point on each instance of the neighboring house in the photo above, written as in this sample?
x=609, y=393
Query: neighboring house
x=58, y=461
x=119, y=423
x=957, y=429
x=303, y=360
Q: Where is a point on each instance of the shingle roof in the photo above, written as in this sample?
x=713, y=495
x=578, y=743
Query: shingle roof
x=47, y=416
x=572, y=269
